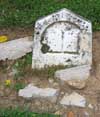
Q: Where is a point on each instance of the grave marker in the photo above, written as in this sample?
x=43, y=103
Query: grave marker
x=62, y=38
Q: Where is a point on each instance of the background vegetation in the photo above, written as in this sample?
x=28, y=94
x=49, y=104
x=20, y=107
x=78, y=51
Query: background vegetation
x=22, y=113
x=24, y=13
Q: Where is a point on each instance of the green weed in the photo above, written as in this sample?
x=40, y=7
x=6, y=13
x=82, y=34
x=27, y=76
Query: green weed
x=21, y=65
x=18, y=85
x=48, y=72
x=22, y=113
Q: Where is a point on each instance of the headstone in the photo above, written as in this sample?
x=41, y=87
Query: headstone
x=62, y=38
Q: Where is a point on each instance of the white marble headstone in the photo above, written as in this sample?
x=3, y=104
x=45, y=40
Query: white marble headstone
x=62, y=38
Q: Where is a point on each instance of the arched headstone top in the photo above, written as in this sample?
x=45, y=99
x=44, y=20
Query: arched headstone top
x=63, y=15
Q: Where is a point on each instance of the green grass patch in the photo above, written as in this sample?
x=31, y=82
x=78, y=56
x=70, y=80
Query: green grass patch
x=24, y=13
x=24, y=61
x=21, y=66
x=24, y=68
x=18, y=85
x=48, y=72
x=22, y=113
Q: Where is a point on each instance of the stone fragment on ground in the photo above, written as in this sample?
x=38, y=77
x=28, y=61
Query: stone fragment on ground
x=86, y=114
x=16, y=48
x=74, y=73
x=51, y=81
x=90, y=106
x=73, y=99
x=32, y=91
x=59, y=112
x=78, y=84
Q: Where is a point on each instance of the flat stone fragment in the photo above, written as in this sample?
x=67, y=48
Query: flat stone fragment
x=78, y=84
x=62, y=38
x=34, y=92
x=90, y=106
x=74, y=73
x=15, y=49
x=73, y=99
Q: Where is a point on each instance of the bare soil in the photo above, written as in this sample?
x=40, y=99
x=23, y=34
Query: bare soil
x=9, y=96
x=16, y=32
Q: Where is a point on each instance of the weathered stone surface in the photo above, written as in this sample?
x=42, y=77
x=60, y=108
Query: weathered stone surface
x=15, y=49
x=51, y=81
x=79, y=84
x=90, y=106
x=73, y=99
x=86, y=114
x=34, y=92
x=62, y=38
x=59, y=112
x=75, y=73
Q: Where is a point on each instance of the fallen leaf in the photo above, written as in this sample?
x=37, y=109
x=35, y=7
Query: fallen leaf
x=3, y=39
x=70, y=114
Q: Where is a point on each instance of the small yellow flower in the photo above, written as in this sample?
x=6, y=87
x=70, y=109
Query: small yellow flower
x=3, y=39
x=7, y=82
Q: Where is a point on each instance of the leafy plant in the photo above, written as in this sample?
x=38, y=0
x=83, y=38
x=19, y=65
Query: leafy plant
x=24, y=61
x=22, y=113
x=18, y=85
x=21, y=64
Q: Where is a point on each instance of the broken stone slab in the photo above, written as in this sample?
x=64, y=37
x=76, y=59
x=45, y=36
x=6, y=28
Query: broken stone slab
x=74, y=73
x=90, y=106
x=78, y=84
x=16, y=48
x=73, y=99
x=34, y=92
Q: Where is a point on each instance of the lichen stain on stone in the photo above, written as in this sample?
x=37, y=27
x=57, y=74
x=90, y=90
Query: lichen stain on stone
x=45, y=48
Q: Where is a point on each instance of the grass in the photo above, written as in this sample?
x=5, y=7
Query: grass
x=21, y=64
x=24, y=68
x=24, y=13
x=48, y=72
x=18, y=85
x=22, y=113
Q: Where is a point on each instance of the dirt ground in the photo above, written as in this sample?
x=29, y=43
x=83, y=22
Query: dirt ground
x=9, y=97
x=16, y=32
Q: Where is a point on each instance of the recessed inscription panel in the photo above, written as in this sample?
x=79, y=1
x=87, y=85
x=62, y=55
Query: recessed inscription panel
x=61, y=37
